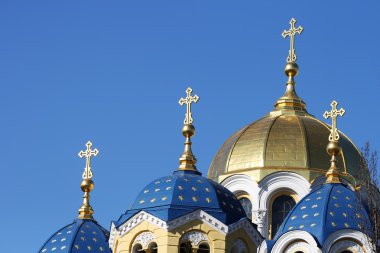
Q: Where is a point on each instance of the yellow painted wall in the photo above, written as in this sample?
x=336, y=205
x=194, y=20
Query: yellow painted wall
x=168, y=241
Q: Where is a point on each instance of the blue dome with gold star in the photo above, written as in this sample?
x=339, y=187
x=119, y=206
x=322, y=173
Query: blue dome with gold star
x=186, y=191
x=183, y=192
x=330, y=208
x=78, y=237
x=84, y=234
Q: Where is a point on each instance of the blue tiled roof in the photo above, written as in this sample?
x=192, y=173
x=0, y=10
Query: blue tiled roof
x=184, y=192
x=330, y=208
x=78, y=237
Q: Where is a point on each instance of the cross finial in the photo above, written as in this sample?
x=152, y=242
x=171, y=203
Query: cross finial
x=86, y=211
x=187, y=160
x=88, y=153
x=333, y=149
x=333, y=114
x=188, y=100
x=292, y=57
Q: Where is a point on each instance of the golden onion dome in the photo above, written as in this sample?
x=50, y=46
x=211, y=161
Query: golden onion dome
x=287, y=139
x=282, y=142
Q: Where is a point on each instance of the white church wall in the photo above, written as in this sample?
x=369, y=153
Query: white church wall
x=295, y=241
x=261, y=194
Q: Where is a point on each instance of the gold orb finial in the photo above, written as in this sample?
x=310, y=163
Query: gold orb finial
x=333, y=148
x=291, y=69
x=187, y=160
x=86, y=211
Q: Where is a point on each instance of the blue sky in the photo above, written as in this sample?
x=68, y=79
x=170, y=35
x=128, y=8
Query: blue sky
x=113, y=71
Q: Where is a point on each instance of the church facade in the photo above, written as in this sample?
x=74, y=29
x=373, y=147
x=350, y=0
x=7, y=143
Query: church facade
x=271, y=187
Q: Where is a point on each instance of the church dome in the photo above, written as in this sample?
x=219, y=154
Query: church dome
x=282, y=142
x=77, y=237
x=84, y=234
x=287, y=139
x=184, y=192
x=330, y=208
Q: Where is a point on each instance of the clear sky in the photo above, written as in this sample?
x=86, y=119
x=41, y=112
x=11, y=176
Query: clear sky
x=113, y=71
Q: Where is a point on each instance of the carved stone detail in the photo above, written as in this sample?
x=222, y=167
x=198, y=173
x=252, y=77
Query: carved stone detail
x=298, y=246
x=259, y=216
x=144, y=239
x=194, y=237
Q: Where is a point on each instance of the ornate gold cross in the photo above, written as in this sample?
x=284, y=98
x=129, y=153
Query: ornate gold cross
x=88, y=153
x=188, y=100
x=292, y=57
x=334, y=113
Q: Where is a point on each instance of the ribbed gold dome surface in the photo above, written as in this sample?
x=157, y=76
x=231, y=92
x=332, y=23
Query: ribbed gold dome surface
x=286, y=142
x=287, y=139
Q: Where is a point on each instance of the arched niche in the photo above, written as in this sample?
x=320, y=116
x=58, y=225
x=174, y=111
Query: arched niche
x=194, y=242
x=275, y=185
x=145, y=243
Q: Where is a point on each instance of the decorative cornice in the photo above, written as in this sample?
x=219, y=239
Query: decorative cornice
x=173, y=224
x=292, y=237
x=132, y=223
x=249, y=228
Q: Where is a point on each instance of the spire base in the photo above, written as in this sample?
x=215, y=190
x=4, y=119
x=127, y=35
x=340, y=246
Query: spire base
x=86, y=211
x=332, y=175
x=290, y=101
x=187, y=160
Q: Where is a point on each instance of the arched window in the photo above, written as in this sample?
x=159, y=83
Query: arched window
x=152, y=247
x=145, y=242
x=203, y=248
x=185, y=247
x=137, y=248
x=280, y=208
x=247, y=206
x=194, y=241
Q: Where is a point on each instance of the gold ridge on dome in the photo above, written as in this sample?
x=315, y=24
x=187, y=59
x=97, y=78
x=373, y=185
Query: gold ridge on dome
x=333, y=148
x=290, y=102
x=187, y=160
x=86, y=211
